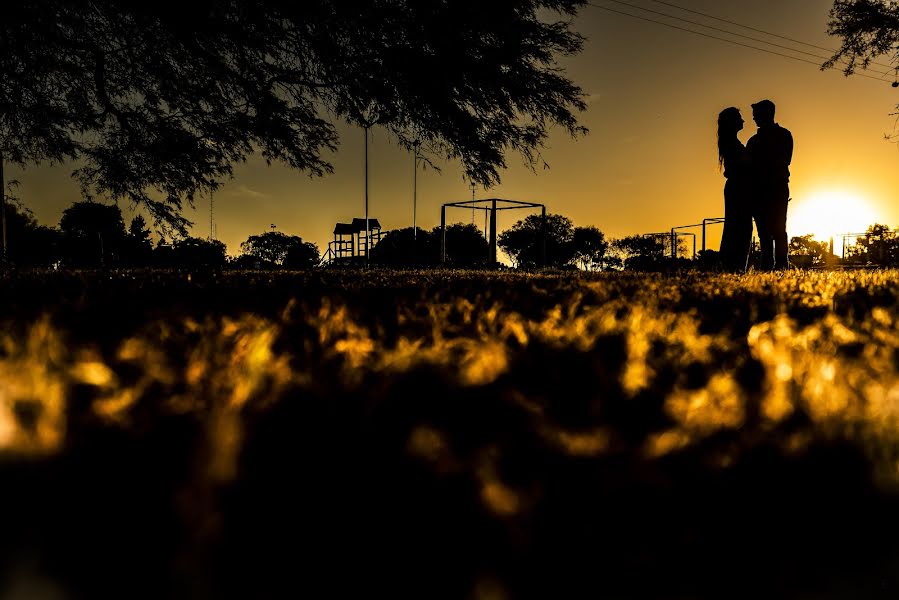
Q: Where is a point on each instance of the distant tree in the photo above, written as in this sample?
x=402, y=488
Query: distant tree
x=708, y=260
x=157, y=100
x=806, y=252
x=273, y=247
x=92, y=234
x=522, y=241
x=191, y=252
x=465, y=245
x=248, y=262
x=402, y=248
x=868, y=29
x=139, y=245
x=30, y=244
x=303, y=255
x=590, y=248
x=639, y=253
x=879, y=246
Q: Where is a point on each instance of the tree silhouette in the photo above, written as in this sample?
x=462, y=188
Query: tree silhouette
x=590, y=248
x=302, y=255
x=197, y=253
x=806, y=252
x=403, y=248
x=30, y=244
x=465, y=245
x=522, y=241
x=92, y=234
x=879, y=246
x=868, y=29
x=158, y=102
x=140, y=246
x=276, y=248
x=641, y=253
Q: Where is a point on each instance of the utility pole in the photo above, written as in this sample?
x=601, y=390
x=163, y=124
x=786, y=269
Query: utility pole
x=2, y=207
x=414, y=190
x=473, y=187
x=367, y=231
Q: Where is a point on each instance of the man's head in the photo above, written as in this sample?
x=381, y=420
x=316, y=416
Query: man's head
x=763, y=113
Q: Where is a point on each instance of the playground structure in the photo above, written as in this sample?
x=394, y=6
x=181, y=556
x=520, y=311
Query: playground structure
x=491, y=206
x=673, y=236
x=847, y=238
x=351, y=244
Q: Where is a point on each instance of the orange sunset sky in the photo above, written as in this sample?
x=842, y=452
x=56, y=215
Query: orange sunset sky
x=649, y=162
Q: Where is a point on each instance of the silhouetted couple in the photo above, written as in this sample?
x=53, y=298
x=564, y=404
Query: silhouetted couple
x=757, y=187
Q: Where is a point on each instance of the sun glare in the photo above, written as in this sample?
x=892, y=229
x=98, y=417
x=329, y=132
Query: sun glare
x=830, y=214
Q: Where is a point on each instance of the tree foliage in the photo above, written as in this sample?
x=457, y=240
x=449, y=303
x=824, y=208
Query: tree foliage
x=806, y=252
x=92, y=234
x=303, y=255
x=522, y=242
x=139, y=242
x=274, y=247
x=590, y=248
x=641, y=253
x=158, y=101
x=408, y=248
x=465, y=247
x=30, y=243
x=867, y=29
x=197, y=253
x=879, y=246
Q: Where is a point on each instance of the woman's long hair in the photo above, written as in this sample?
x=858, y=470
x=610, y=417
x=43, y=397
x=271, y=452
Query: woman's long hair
x=727, y=131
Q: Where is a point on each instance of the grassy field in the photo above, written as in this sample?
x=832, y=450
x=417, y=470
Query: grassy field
x=449, y=434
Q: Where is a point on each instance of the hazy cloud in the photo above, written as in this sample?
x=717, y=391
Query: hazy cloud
x=244, y=191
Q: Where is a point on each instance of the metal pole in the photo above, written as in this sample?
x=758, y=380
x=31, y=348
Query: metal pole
x=443, y=235
x=366, y=196
x=414, y=191
x=493, y=234
x=543, y=236
x=2, y=207
x=703, y=234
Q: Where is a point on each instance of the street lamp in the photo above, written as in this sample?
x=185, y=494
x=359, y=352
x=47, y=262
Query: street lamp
x=414, y=189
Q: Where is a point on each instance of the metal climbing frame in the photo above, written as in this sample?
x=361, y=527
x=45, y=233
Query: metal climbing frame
x=491, y=206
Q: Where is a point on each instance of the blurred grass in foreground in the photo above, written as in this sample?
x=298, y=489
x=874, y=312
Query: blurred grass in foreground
x=491, y=425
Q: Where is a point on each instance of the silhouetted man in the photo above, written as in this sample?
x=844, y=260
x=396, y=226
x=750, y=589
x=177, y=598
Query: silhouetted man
x=770, y=153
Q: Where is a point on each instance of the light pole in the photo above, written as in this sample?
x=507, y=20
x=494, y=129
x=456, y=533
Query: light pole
x=473, y=187
x=414, y=190
x=366, y=127
x=2, y=209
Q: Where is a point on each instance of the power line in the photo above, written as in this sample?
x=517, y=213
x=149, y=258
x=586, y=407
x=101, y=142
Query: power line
x=783, y=37
x=729, y=32
x=720, y=39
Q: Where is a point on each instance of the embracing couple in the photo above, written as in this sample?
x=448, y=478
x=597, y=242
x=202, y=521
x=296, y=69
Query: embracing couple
x=757, y=187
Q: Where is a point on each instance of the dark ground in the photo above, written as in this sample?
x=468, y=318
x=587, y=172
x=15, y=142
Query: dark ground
x=448, y=435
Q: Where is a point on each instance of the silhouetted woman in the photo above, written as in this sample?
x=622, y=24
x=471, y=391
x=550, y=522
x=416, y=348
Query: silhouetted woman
x=732, y=156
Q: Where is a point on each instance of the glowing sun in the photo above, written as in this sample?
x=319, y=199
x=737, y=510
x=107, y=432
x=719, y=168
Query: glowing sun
x=830, y=213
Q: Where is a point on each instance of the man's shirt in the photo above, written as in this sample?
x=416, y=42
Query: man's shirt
x=771, y=152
